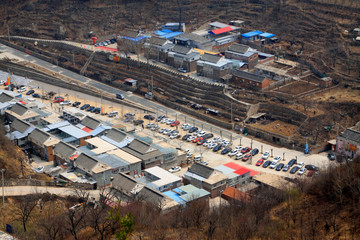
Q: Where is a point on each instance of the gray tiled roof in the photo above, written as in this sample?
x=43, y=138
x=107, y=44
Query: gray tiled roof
x=157, y=41
x=181, y=49
x=210, y=58
x=151, y=195
x=239, y=48
x=142, y=150
x=19, y=109
x=90, y=122
x=201, y=170
x=39, y=136
x=19, y=125
x=129, y=33
x=351, y=135
x=5, y=98
x=124, y=183
x=195, y=37
x=249, y=76
x=85, y=163
x=116, y=135
x=64, y=150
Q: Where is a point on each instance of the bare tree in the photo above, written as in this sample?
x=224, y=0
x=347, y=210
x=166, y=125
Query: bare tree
x=25, y=208
x=74, y=219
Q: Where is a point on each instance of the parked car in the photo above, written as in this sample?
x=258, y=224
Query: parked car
x=239, y=156
x=292, y=162
x=186, y=136
x=59, y=99
x=35, y=95
x=254, y=151
x=149, y=117
x=201, y=142
x=260, y=161
x=159, y=118
x=65, y=103
x=120, y=96
x=195, y=140
x=294, y=170
x=183, y=70
x=311, y=167
x=97, y=110
x=279, y=167
x=129, y=114
x=204, y=163
x=300, y=164
x=138, y=122
x=266, y=164
x=174, y=135
x=193, y=129
x=266, y=155
x=93, y=110
x=273, y=164
x=190, y=138
x=175, y=169
x=233, y=152
x=198, y=158
x=113, y=114
x=175, y=123
x=225, y=151
x=30, y=92
x=84, y=107
x=246, y=157
x=301, y=171
x=245, y=150
x=286, y=168
x=22, y=89
x=208, y=136
x=217, y=148
x=76, y=104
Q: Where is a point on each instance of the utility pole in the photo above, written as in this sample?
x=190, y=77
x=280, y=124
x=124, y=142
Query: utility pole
x=2, y=181
x=231, y=113
x=73, y=58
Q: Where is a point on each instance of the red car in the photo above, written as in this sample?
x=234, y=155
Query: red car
x=175, y=123
x=59, y=99
x=259, y=162
x=245, y=150
x=197, y=139
x=246, y=157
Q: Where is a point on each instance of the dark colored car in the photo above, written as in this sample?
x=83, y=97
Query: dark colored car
x=266, y=164
x=208, y=136
x=138, y=122
x=76, y=104
x=85, y=106
x=150, y=117
x=193, y=129
x=254, y=151
x=279, y=167
x=311, y=167
x=94, y=110
x=292, y=162
x=294, y=170
x=90, y=109
x=245, y=150
x=97, y=110
x=201, y=142
x=331, y=156
x=35, y=95
x=225, y=151
x=30, y=92
x=186, y=136
x=217, y=148
x=159, y=118
x=246, y=157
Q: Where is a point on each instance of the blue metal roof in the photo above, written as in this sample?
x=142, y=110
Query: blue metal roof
x=172, y=34
x=267, y=35
x=160, y=33
x=251, y=34
x=174, y=196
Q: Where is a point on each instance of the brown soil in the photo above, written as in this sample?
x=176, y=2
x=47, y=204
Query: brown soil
x=277, y=127
x=296, y=88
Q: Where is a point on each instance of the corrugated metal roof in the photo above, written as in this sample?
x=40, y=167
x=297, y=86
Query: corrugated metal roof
x=224, y=169
x=19, y=109
x=218, y=24
x=56, y=125
x=221, y=30
x=249, y=76
x=351, y=135
x=90, y=122
x=267, y=35
x=239, y=48
x=201, y=170
x=172, y=34
x=74, y=131
x=19, y=125
x=251, y=34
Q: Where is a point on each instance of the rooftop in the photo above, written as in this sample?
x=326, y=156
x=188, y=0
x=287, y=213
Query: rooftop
x=251, y=34
x=125, y=156
x=249, y=76
x=221, y=30
x=74, y=131
x=100, y=145
x=239, y=48
x=352, y=135
x=164, y=177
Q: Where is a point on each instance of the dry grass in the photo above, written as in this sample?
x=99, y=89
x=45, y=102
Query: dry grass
x=277, y=127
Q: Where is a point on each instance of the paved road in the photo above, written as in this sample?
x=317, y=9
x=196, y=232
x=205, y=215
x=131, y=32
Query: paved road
x=246, y=141
x=24, y=190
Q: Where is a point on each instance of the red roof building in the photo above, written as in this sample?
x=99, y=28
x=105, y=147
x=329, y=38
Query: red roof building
x=240, y=169
x=221, y=30
x=232, y=194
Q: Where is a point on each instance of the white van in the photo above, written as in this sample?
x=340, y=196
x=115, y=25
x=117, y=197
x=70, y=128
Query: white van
x=113, y=114
x=197, y=158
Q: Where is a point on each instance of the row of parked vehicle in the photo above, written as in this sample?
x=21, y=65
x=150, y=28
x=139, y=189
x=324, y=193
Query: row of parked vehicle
x=105, y=42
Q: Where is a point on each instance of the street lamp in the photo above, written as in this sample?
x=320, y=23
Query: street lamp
x=271, y=152
x=2, y=181
x=240, y=140
x=283, y=156
x=261, y=149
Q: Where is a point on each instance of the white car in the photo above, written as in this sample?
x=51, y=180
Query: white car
x=300, y=165
x=239, y=156
x=166, y=132
x=187, y=127
x=187, y=151
x=238, y=147
x=189, y=139
x=273, y=164
x=170, y=121
x=201, y=133
x=174, y=135
x=164, y=120
x=277, y=158
x=162, y=130
x=39, y=169
x=175, y=169
x=301, y=171
x=189, y=155
x=233, y=153
x=266, y=155
x=212, y=145
x=66, y=103
x=22, y=89
x=204, y=162
x=150, y=125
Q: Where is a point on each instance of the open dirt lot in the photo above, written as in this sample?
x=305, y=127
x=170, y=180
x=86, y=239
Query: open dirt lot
x=339, y=94
x=296, y=88
x=277, y=127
